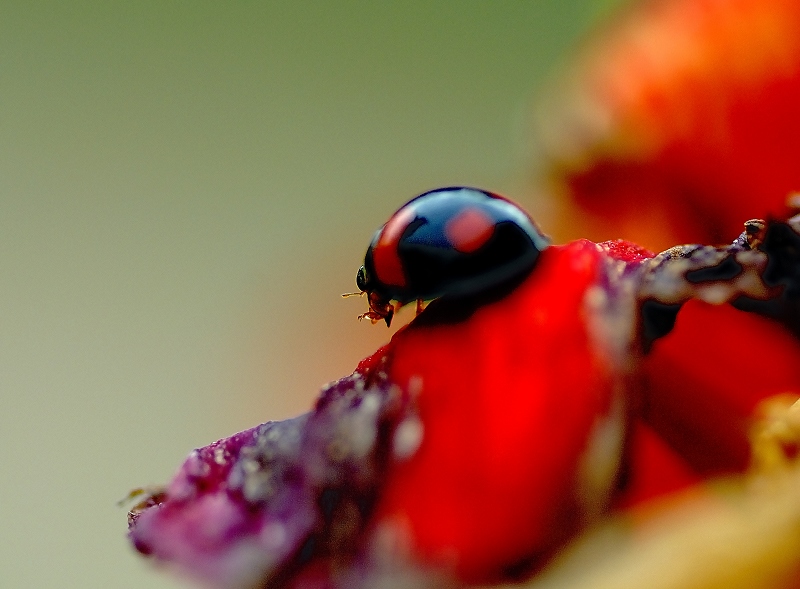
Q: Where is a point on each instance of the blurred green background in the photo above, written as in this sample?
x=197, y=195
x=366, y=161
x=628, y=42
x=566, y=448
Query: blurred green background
x=186, y=188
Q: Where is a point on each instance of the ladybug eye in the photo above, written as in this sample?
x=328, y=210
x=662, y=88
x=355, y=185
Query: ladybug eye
x=361, y=279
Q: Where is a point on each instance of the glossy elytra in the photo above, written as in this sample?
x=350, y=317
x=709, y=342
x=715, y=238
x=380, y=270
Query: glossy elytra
x=450, y=242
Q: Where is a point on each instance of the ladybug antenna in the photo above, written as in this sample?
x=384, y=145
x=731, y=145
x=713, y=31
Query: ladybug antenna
x=353, y=294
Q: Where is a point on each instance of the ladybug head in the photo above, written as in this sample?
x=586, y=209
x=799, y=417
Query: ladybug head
x=380, y=307
x=362, y=280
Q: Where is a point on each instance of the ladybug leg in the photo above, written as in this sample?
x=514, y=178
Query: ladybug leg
x=372, y=316
x=388, y=317
x=775, y=436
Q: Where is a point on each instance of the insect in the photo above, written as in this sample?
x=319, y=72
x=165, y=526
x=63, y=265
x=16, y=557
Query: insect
x=449, y=242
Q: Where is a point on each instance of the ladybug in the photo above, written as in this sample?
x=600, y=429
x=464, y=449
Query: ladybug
x=450, y=242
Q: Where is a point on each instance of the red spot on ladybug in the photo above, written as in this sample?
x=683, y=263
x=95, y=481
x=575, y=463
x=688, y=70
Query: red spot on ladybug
x=388, y=266
x=447, y=243
x=469, y=230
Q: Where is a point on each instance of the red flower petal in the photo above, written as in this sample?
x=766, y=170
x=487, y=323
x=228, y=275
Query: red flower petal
x=705, y=379
x=509, y=401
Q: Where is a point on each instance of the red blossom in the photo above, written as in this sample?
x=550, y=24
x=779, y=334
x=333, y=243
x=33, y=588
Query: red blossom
x=493, y=430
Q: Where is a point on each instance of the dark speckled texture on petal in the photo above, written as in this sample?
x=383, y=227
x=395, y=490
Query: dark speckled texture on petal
x=254, y=508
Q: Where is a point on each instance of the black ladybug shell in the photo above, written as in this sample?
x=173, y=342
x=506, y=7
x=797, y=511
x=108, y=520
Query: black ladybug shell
x=451, y=242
